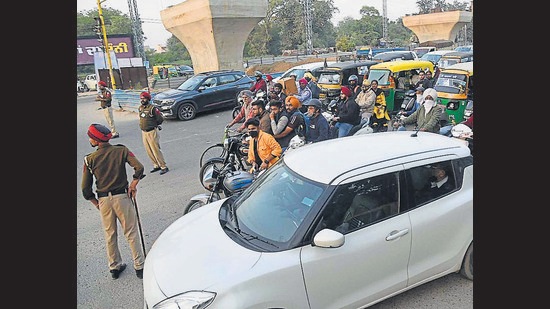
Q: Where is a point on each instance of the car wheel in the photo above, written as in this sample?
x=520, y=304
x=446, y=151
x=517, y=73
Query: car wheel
x=187, y=111
x=192, y=206
x=467, y=269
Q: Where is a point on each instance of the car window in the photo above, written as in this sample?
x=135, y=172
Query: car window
x=210, y=82
x=191, y=83
x=226, y=79
x=362, y=203
x=432, y=181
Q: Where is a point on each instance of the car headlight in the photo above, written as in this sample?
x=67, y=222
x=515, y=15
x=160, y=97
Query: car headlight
x=188, y=300
x=167, y=102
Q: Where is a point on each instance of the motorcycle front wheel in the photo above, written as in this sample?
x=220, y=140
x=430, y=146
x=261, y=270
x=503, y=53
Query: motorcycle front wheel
x=192, y=206
x=213, y=151
x=218, y=165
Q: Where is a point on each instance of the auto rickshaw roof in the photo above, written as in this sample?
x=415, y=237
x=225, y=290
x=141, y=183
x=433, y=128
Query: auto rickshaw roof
x=401, y=65
x=461, y=66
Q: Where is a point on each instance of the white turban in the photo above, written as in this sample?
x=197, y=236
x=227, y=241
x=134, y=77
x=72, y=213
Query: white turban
x=430, y=92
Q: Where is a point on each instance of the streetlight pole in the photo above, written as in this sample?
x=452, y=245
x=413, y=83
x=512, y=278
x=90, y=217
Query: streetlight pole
x=106, y=44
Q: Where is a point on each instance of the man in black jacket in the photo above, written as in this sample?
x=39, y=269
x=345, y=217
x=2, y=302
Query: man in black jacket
x=347, y=114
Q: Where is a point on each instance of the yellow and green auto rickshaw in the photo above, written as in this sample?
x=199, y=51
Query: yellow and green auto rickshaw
x=396, y=77
x=454, y=88
x=332, y=78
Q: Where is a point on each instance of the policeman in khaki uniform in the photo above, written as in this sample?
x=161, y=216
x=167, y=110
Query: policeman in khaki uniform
x=150, y=119
x=108, y=165
x=104, y=96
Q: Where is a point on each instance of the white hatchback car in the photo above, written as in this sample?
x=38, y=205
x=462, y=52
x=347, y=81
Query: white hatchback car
x=343, y=223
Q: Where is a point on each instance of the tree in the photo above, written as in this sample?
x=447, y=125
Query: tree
x=116, y=22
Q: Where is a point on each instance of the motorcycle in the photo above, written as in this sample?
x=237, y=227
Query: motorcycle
x=407, y=105
x=81, y=87
x=221, y=182
x=233, y=151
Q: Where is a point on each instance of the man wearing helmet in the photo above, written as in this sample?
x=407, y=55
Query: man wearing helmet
x=353, y=86
x=107, y=164
x=318, y=124
x=260, y=83
x=150, y=119
x=104, y=96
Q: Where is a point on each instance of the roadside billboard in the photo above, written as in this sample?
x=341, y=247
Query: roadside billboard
x=121, y=45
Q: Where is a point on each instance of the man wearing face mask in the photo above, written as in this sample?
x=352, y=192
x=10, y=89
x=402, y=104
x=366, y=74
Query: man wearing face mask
x=264, y=150
x=426, y=118
x=260, y=83
x=150, y=119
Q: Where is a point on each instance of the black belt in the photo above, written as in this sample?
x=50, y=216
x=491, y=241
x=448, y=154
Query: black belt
x=114, y=192
x=148, y=130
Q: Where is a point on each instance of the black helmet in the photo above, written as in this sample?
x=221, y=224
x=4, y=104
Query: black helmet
x=313, y=102
x=353, y=77
x=332, y=106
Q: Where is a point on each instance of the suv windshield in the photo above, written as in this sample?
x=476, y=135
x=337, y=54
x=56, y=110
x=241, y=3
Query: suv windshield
x=192, y=82
x=275, y=205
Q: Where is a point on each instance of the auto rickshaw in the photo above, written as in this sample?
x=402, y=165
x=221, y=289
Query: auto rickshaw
x=396, y=77
x=332, y=78
x=454, y=58
x=454, y=88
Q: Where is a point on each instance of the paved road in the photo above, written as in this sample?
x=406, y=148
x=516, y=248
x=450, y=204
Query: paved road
x=160, y=200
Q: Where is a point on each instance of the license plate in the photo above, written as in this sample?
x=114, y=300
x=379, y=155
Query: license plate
x=322, y=95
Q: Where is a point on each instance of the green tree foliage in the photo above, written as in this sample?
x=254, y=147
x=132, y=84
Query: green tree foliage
x=116, y=22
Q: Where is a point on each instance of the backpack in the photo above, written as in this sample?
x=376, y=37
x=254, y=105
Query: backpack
x=304, y=127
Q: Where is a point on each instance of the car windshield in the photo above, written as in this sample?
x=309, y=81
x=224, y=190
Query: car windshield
x=451, y=83
x=329, y=78
x=191, y=83
x=298, y=72
x=380, y=75
x=274, y=207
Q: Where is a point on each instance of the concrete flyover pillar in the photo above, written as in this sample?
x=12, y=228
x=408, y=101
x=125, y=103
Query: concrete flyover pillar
x=437, y=26
x=214, y=31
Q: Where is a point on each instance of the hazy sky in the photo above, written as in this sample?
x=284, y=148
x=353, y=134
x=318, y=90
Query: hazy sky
x=155, y=33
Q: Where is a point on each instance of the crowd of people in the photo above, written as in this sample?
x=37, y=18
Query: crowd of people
x=271, y=122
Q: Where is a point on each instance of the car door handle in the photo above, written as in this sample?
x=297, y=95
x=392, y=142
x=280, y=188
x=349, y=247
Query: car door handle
x=396, y=234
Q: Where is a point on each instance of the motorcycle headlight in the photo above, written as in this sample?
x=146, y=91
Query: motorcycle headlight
x=226, y=143
x=188, y=300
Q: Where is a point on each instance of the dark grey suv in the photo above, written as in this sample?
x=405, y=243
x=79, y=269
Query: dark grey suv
x=202, y=92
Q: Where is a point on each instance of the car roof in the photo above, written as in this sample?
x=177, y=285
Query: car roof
x=439, y=52
x=337, y=159
x=221, y=71
x=351, y=64
x=465, y=66
x=458, y=54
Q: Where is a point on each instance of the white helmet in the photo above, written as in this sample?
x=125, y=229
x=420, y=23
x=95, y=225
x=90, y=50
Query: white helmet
x=460, y=129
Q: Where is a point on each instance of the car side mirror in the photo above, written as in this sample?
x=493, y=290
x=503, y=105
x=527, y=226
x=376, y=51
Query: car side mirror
x=201, y=88
x=328, y=238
